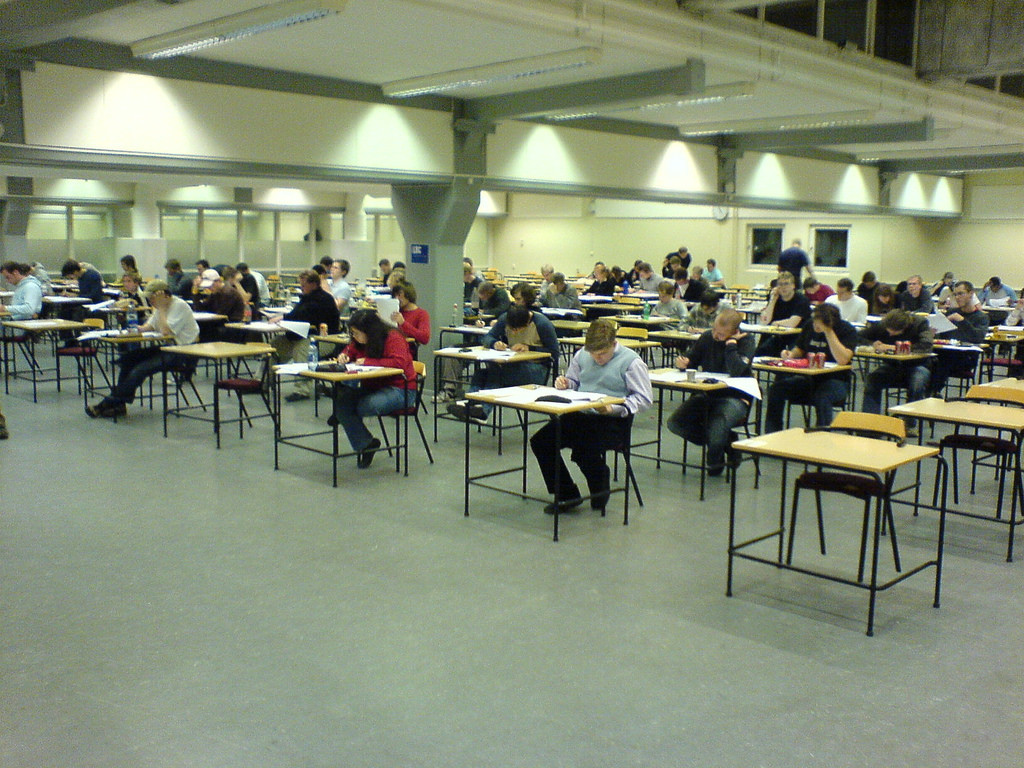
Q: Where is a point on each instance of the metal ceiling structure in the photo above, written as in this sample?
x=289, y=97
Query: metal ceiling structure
x=692, y=69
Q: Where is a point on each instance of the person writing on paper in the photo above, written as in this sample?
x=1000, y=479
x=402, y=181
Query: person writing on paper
x=668, y=305
x=413, y=321
x=606, y=367
x=494, y=300
x=172, y=317
x=709, y=418
x=316, y=307
x=373, y=343
x=827, y=333
x=971, y=328
x=519, y=330
x=27, y=301
x=995, y=293
x=560, y=295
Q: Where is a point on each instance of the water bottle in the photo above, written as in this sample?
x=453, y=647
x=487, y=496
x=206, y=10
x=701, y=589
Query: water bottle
x=647, y=310
x=314, y=356
x=456, y=316
x=132, y=319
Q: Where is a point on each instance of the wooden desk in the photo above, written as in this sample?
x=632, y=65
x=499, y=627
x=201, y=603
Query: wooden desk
x=572, y=326
x=525, y=402
x=990, y=416
x=31, y=332
x=221, y=354
x=668, y=379
x=478, y=355
x=336, y=379
x=265, y=331
x=769, y=330
x=879, y=459
x=654, y=321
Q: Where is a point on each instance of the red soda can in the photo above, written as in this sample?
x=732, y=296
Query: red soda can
x=819, y=361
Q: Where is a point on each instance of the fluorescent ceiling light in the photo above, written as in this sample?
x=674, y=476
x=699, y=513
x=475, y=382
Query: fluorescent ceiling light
x=493, y=73
x=266, y=18
x=784, y=123
x=712, y=95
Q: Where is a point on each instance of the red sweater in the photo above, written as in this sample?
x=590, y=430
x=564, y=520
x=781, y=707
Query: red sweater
x=396, y=355
x=416, y=324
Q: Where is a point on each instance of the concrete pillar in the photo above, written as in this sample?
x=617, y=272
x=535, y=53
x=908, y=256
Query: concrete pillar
x=439, y=217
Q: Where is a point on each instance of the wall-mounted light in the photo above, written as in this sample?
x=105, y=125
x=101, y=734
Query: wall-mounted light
x=492, y=73
x=266, y=18
x=712, y=95
x=785, y=123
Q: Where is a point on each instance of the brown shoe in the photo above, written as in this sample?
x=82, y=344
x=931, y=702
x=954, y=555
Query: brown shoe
x=4, y=434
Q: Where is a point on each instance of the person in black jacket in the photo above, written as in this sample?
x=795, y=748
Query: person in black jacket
x=971, y=328
x=316, y=307
x=827, y=333
x=897, y=325
x=709, y=417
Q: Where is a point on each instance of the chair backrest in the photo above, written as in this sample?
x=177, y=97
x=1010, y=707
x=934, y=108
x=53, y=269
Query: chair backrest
x=95, y=322
x=630, y=300
x=997, y=394
x=870, y=424
x=627, y=332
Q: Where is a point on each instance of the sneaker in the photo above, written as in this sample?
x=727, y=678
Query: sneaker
x=366, y=455
x=444, y=396
x=295, y=397
x=93, y=411
x=476, y=413
x=458, y=410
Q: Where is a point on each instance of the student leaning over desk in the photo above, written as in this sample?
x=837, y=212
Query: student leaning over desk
x=27, y=301
x=373, y=343
x=604, y=366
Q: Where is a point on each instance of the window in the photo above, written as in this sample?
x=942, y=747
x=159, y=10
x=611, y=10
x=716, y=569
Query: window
x=830, y=247
x=765, y=244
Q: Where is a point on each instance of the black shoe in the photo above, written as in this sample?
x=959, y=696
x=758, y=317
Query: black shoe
x=458, y=410
x=116, y=410
x=93, y=411
x=332, y=420
x=715, y=470
x=569, y=501
x=4, y=434
x=366, y=455
x=476, y=413
x=295, y=397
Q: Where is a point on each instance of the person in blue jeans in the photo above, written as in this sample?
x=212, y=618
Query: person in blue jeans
x=827, y=333
x=710, y=417
x=897, y=325
x=373, y=343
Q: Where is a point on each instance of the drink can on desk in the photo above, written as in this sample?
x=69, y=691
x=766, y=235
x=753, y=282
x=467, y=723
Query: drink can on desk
x=819, y=359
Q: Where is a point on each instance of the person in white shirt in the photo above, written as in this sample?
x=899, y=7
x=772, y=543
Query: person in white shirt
x=852, y=308
x=340, y=287
x=171, y=317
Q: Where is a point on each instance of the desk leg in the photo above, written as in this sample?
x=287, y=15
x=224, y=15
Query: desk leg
x=873, y=586
x=558, y=476
x=465, y=500
x=1016, y=491
x=661, y=414
x=732, y=534
x=275, y=395
x=163, y=381
x=437, y=384
x=524, y=417
x=943, y=468
x=782, y=508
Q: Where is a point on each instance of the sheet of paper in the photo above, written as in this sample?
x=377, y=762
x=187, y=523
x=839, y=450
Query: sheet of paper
x=493, y=354
x=290, y=369
x=386, y=307
x=746, y=384
x=940, y=323
x=101, y=305
x=302, y=329
x=267, y=327
x=1005, y=302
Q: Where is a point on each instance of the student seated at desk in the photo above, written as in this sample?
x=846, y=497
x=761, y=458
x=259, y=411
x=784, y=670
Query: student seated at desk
x=521, y=330
x=668, y=305
x=171, y=317
x=494, y=300
x=971, y=328
x=560, y=295
x=27, y=301
x=601, y=366
x=703, y=316
x=897, y=325
x=412, y=320
x=787, y=308
x=373, y=343
x=726, y=350
x=604, y=284
x=827, y=333
x=316, y=307
x=130, y=295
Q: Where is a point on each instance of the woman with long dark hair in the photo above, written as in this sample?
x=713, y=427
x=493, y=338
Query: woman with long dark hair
x=373, y=343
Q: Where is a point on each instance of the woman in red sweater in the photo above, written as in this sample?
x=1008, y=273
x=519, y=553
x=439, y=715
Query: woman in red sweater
x=413, y=321
x=373, y=343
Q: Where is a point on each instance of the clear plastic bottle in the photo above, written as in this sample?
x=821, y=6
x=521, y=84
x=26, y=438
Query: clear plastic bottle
x=313, y=358
x=456, y=316
x=132, y=318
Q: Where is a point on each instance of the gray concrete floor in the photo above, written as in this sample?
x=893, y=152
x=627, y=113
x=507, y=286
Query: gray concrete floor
x=167, y=604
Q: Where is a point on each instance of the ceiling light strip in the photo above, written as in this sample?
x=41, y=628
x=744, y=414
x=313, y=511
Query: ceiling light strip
x=238, y=26
x=493, y=73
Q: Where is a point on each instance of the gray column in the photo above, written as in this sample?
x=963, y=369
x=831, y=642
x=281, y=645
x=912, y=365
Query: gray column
x=438, y=217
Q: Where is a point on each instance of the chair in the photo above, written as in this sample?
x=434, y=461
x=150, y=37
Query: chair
x=82, y=355
x=241, y=386
x=630, y=300
x=862, y=487
x=983, y=448
x=414, y=411
x=625, y=450
x=640, y=334
x=10, y=343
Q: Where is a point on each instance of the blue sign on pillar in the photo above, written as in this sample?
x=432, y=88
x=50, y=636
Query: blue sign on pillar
x=419, y=253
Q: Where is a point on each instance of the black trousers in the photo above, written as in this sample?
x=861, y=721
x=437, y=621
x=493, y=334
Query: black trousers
x=589, y=435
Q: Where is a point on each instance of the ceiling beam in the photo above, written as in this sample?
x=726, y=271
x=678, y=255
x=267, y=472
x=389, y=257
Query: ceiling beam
x=954, y=163
x=32, y=22
x=593, y=95
x=701, y=6
x=877, y=133
x=118, y=58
